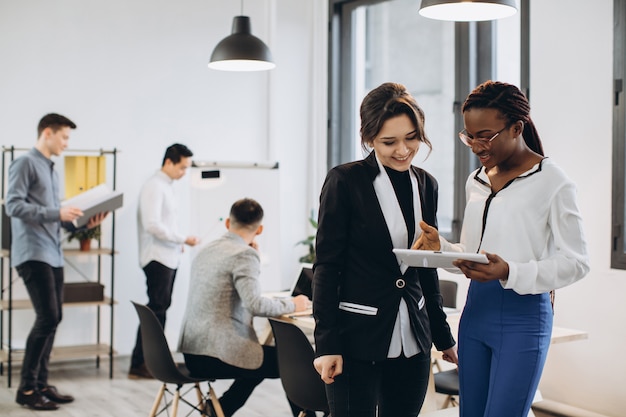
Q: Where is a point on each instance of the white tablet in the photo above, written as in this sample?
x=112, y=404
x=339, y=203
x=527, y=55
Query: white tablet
x=436, y=259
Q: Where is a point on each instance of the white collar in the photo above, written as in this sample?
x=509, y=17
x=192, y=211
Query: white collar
x=392, y=212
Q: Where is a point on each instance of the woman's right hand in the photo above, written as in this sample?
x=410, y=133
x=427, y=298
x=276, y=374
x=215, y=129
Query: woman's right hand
x=329, y=366
x=429, y=239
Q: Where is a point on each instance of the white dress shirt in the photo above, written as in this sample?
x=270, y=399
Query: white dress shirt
x=533, y=224
x=157, y=222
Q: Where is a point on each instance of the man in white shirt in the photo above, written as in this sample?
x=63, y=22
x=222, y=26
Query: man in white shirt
x=160, y=242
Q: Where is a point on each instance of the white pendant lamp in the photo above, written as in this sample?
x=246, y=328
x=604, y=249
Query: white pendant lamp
x=241, y=51
x=467, y=10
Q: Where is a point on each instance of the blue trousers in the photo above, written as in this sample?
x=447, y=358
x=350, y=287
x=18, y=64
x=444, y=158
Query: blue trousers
x=503, y=344
x=395, y=387
x=45, y=288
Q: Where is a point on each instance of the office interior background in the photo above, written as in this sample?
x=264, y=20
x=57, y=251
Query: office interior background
x=134, y=77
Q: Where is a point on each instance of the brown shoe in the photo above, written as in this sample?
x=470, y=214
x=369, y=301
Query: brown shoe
x=51, y=392
x=35, y=400
x=140, y=372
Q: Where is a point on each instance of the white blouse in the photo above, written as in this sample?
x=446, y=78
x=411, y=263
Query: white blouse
x=533, y=224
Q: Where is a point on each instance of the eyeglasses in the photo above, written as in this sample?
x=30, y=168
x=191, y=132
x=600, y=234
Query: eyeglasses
x=483, y=141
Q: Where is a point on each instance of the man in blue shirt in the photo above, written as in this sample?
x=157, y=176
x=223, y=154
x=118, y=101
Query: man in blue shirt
x=33, y=204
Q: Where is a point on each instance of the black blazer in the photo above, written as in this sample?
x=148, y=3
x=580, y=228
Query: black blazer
x=354, y=264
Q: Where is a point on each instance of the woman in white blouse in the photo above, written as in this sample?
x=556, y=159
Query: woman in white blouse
x=521, y=212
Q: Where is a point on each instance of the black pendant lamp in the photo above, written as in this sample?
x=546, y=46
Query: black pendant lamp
x=467, y=10
x=241, y=51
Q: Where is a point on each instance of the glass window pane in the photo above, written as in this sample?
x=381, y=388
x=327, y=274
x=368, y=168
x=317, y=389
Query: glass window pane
x=392, y=42
x=618, y=235
x=508, y=50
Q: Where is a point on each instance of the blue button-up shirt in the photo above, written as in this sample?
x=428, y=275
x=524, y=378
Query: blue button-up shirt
x=32, y=202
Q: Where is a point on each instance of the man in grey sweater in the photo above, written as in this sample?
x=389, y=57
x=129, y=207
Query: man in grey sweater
x=217, y=337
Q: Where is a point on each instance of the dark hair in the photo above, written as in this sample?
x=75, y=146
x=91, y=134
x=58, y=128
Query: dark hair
x=385, y=102
x=175, y=152
x=55, y=122
x=246, y=213
x=511, y=103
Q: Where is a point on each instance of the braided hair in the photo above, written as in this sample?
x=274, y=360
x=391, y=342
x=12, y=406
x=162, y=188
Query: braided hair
x=511, y=103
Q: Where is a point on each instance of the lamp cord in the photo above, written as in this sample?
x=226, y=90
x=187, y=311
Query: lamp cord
x=241, y=7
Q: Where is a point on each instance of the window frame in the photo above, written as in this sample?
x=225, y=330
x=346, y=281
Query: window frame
x=618, y=250
x=475, y=62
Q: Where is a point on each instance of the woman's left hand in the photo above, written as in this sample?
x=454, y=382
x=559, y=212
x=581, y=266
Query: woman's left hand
x=497, y=268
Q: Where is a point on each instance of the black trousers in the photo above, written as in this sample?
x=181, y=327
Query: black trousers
x=246, y=380
x=45, y=288
x=396, y=387
x=160, y=283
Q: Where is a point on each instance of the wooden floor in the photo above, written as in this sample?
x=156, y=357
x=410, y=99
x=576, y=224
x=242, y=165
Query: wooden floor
x=98, y=396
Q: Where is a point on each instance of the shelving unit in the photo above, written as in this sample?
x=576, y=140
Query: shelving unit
x=10, y=355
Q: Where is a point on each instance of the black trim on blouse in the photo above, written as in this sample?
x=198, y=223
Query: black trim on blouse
x=493, y=195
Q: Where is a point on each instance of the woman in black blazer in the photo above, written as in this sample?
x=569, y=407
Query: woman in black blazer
x=376, y=318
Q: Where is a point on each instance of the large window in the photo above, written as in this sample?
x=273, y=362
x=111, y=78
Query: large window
x=618, y=252
x=374, y=41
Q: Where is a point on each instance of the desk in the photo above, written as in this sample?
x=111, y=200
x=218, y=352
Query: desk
x=559, y=335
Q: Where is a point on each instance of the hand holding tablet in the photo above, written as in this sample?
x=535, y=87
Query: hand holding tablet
x=436, y=259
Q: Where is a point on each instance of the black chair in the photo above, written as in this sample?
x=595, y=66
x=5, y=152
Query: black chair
x=448, y=290
x=300, y=380
x=160, y=362
x=447, y=382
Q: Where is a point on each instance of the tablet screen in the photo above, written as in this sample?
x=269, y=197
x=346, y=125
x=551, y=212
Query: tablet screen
x=436, y=259
x=303, y=284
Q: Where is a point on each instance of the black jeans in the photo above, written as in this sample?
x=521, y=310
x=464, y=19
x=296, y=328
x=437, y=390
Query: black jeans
x=160, y=283
x=246, y=380
x=397, y=387
x=45, y=288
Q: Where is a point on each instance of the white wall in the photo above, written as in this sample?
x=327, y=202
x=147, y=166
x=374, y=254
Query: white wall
x=134, y=76
x=571, y=98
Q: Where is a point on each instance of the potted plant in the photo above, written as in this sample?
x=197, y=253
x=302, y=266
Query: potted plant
x=309, y=258
x=84, y=236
